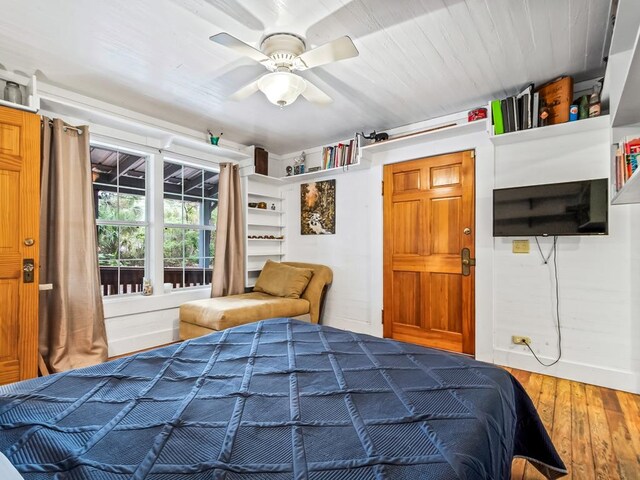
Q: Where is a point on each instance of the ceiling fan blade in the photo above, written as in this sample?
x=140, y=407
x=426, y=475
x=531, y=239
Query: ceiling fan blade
x=245, y=91
x=239, y=46
x=315, y=95
x=336, y=50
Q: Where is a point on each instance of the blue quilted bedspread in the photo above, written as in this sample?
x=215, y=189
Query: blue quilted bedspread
x=278, y=399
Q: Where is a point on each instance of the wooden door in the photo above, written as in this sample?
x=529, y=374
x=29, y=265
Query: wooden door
x=19, y=230
x=429, y=217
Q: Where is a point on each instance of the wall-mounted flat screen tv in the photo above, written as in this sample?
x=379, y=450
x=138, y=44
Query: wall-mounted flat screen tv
x=572, y=208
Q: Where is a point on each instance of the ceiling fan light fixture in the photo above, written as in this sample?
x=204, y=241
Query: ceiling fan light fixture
x=282, y=88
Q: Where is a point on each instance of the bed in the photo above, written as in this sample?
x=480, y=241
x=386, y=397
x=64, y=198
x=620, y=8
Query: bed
x=277, y=399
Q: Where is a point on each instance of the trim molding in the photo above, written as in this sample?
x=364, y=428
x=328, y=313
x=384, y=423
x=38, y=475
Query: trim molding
x=581, y=372
x=123, y=346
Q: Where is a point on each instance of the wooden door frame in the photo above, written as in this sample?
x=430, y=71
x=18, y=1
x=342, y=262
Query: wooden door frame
x=469, y=303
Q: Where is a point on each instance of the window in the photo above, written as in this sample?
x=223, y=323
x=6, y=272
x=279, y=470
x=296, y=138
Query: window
x=190, y=213
x=119, y=189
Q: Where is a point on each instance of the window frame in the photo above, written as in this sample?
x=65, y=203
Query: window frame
x=128, y=223
x=188, y=162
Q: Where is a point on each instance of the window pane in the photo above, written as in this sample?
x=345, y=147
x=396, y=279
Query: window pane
x=120, y=192
x=131, y=171
x=107, y=245
x=192, y=242
x=192, y=212
x=131, y=207
x=173, y=243
x=211, y=212
x=107, y=205
x=172, y=210
x=132, y=243
x=189, y=201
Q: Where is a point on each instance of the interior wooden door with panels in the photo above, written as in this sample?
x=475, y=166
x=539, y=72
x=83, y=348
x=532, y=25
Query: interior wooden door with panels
x=429, y=250
x=265, y=227
x=19, y=243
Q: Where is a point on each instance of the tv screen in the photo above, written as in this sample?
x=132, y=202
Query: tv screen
x=572, y=208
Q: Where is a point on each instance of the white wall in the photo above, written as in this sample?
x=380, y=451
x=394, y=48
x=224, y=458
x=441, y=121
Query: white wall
x=594, y=274
x=355, y=252
x=134, y=322
x=513, y=292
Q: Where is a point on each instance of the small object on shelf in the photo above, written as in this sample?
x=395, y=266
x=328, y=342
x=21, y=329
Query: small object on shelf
x=557, y=96
x=147, y=288
x=262, y=205
x=496, y=113
x=273, y=206
x=261, y=161
x=573, y=113
x=544, y=115
x=12, y=92
x=477, y=114
x=212, y=138
x=253, y=204
x=583, y=107
x=594, y=101
x=289, y=170
x=299, y=164
x=376, y=137
x=313, y=169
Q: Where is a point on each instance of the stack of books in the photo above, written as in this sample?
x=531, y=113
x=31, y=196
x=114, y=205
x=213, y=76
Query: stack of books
x=340, y=155
x=523, y=111
x=518, y=112
x=626, y=161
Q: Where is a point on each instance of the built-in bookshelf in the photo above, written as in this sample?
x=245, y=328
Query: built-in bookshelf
x=28, y=90
x=550, y=131
x=329, y=160
x=265, y=229
x=624, y=84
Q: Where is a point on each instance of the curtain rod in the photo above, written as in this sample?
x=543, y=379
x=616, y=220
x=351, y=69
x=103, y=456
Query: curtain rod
x=66, y=127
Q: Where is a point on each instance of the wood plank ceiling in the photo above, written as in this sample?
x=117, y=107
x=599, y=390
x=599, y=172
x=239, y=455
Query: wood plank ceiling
x=418, y=58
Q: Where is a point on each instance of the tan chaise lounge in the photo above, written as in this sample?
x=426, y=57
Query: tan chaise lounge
x=202, y=317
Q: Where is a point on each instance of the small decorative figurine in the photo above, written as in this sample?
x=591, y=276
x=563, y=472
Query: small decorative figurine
x=376, y=137
x=214, y=140
x=273, y=206
x=147, y=288
x=289, y=170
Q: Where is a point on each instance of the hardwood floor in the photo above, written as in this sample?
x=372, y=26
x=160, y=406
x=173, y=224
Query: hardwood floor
x=596, y=430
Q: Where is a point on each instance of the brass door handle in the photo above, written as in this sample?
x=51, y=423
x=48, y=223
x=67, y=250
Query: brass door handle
x=467, y=262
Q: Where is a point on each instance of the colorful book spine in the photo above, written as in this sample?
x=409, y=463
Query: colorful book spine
x=496, y=113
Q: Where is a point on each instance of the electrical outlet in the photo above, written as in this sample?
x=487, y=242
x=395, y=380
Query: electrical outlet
x=520, y=246
x=518, y=340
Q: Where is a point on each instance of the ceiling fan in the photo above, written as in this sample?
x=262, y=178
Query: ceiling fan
x=282, y=54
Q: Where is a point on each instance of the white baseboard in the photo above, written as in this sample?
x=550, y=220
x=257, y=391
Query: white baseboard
x=581, y=372
x=141, y=342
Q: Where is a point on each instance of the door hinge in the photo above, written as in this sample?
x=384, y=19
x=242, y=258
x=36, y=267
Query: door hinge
x=382, y=315
x=382, y=193
x=473, y=154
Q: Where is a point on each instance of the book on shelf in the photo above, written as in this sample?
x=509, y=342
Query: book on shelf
x=340, y=155
x=626, y=160
x=521, y=111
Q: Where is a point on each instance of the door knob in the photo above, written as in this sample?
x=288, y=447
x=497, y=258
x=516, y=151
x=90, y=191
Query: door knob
x=467, y=262
x=467, y=231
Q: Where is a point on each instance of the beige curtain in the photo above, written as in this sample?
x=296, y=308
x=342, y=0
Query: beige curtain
x=228, y=265
x=72, y=332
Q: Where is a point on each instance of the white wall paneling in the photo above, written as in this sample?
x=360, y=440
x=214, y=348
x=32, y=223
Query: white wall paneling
x=135, y=322
x=594, y=273
x=514, y=293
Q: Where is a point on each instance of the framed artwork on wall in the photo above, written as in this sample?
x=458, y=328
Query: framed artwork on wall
x=318, y=208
